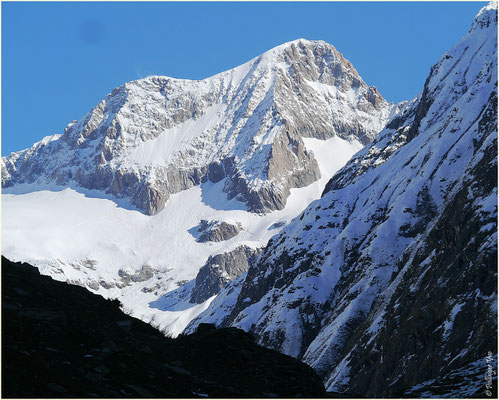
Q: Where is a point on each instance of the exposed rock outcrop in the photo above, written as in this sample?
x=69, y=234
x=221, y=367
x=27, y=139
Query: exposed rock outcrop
x=221, y=269
x=143, y=274
x=216, y=231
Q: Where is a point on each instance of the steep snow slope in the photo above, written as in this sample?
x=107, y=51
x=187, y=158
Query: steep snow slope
x=92, y=242
x=389, y=280
x=157, y=136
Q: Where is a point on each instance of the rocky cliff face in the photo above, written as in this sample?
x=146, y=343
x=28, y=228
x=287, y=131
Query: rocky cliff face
x=216, y=231
x=157, y=136
x=220, y=270
x=390, y=279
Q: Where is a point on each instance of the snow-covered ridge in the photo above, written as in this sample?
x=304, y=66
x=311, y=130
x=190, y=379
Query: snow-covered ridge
x=157, y=136
x=390, y=278
x=486, y=17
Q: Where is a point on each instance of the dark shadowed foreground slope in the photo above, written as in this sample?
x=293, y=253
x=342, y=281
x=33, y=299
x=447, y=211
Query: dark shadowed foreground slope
x=60, y=340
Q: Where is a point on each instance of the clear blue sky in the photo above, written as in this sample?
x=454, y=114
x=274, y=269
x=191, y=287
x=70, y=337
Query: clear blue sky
x=60, y=59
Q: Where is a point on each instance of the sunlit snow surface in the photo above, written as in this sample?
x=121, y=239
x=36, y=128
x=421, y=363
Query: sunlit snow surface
x=76, y=236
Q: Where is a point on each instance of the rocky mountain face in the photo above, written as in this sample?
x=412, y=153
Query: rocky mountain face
x=216, y=231
x=389, y=281
x=157, y=136
x=220, y=270
x=61, y=341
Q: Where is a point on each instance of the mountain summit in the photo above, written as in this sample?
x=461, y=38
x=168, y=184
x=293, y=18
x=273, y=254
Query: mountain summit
x=157, y=136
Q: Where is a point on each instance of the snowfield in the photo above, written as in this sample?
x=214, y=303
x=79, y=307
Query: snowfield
x=76, y=236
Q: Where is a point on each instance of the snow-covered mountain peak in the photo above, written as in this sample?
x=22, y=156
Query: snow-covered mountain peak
x=285, y=52
x=486, y=17
x=156, y=136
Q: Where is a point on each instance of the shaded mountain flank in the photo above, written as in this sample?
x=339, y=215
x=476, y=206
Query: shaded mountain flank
x=389, y=281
